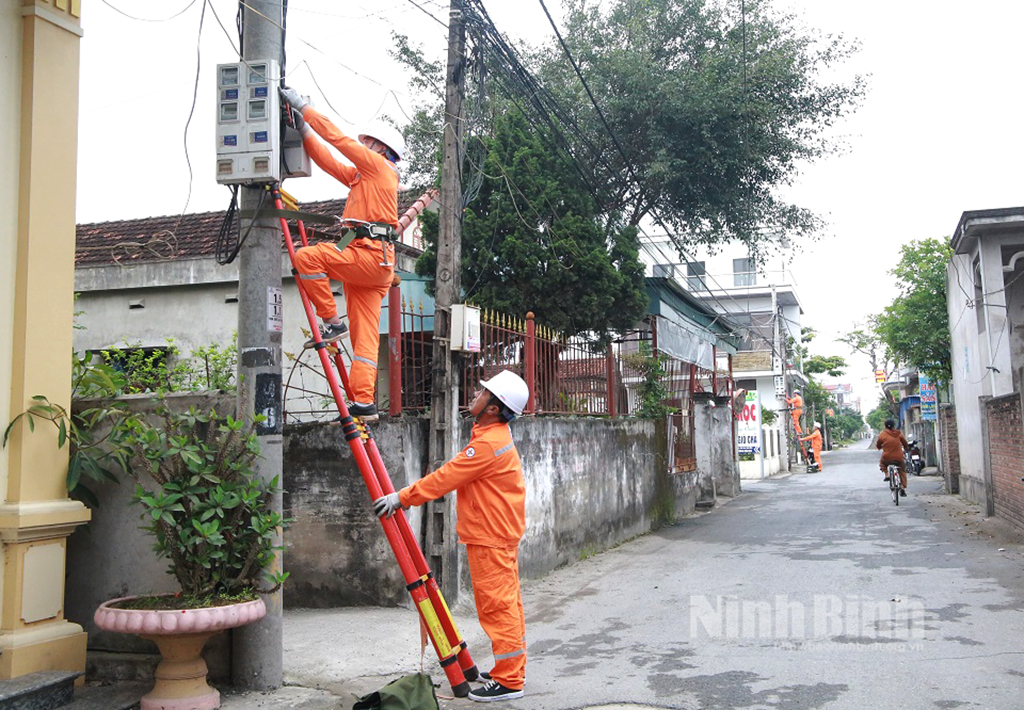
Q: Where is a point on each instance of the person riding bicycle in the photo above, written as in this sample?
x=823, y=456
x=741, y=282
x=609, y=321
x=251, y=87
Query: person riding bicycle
x=892, y=444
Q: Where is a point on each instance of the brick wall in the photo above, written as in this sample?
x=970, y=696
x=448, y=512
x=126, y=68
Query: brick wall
x=950, y=462
x=1006, y=449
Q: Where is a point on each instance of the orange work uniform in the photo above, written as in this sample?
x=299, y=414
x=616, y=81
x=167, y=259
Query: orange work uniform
x=361, y=267
x=487, y=477
x=892, y=443
x=815, y=440
x=797, y=403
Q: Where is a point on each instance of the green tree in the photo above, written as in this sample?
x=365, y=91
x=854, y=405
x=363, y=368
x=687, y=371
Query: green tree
x=832, y=365
x=877, y=416
x=532, y=240
x=817, y=400
x=846, y=424
x=714, y=110
x=915, y=327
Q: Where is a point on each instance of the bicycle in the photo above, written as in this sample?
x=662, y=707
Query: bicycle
x=893, y=472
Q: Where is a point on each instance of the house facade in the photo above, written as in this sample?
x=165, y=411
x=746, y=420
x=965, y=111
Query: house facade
x=763, y=310
x=985, y=300
x=155, y=283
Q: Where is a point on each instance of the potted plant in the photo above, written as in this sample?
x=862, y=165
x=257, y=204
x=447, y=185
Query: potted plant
x=210, y=516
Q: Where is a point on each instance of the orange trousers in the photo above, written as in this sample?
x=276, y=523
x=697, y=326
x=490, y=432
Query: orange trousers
x=797, y=413
x=499, y=606
x=817, y=456
x=366, y=282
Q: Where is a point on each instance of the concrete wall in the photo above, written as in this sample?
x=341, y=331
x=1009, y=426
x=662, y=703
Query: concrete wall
x=336, y=552
x=147, y=300
x=1006, y=456
x=970, y=382
x=591, y=483
x=717, y=469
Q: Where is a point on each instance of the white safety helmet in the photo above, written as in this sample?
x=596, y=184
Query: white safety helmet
x=510, y=388
x=817, y=425
x=388, y=135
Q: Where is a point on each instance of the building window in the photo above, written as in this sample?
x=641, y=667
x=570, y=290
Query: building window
x=743, y=272
x=695, y=276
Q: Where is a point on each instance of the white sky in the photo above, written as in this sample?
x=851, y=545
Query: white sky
x=939, y=132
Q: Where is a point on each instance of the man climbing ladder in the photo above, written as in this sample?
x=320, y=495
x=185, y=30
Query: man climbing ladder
x=435, y=616
x=364, y=258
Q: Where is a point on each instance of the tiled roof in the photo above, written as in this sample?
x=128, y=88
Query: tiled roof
x=190, y=236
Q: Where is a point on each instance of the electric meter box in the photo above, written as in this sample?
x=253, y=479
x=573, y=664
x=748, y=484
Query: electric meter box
x=295, y=161
x=465, y=328
x=248, y=123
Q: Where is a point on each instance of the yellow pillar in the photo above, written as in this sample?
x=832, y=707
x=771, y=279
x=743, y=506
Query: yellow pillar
x=38, y=148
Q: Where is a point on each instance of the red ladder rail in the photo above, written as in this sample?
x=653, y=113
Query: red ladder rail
x=455, y=639
x=434, y=613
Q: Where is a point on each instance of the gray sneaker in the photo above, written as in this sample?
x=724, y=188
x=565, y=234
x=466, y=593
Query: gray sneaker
x=329, y=333
x=366, y=412
x=493, y=691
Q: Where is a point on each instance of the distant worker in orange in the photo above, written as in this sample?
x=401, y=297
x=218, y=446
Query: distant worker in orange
x=487, y=477
x=363, y=258
x=796, y=404
x=892, y=444
x=815, y=439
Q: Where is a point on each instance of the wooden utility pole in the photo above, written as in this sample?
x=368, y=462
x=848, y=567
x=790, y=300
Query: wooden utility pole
x=440, y=541
x=257, y=649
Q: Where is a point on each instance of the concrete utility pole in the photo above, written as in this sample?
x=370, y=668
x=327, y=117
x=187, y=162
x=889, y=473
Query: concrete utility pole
x=440, y=543
x=257, y=649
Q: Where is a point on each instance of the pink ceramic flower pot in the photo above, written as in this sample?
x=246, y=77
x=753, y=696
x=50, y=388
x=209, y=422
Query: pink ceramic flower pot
x=180, y=635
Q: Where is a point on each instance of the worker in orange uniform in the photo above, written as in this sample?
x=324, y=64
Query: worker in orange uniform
x=364, y=257
x=892, y=444
x=796, y=404
x=815, y=439
x=487, y=477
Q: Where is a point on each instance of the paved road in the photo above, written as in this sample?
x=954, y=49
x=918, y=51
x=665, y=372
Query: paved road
x=807, y=591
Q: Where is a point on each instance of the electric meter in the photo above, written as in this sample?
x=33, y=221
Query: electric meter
x=248, y=123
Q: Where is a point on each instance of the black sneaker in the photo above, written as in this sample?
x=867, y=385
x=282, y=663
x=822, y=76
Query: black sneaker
x=366, y=412
x=329, y=333
x=903, y=492
x=484, y=675
x=492, y=691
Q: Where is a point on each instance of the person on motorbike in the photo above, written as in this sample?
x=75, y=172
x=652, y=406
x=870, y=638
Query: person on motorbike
x=892, y=443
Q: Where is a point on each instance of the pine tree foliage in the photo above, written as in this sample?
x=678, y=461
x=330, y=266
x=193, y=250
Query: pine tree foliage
x=532, y=240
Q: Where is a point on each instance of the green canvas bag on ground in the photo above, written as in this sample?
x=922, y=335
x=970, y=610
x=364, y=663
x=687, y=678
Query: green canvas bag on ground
x=410, y=692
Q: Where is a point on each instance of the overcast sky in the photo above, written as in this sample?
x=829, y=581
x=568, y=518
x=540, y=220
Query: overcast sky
x=939, y=132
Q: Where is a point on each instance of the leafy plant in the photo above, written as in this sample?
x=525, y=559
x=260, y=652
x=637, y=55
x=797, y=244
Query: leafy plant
x=93, y=433
x=768, y=416
x=164, y=369
x=653, y=391
x=216, y=366
x=203, y=500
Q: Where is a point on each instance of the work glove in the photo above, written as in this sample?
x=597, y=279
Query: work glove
x=293, y=98
x=386, y=506
x=299, y=122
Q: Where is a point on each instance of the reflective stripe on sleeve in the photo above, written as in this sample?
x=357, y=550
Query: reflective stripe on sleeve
x=312, y=277
x=365, y=360
x=505, y=449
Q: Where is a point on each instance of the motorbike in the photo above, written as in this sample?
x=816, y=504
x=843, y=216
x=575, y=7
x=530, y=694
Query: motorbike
x=912, y=458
